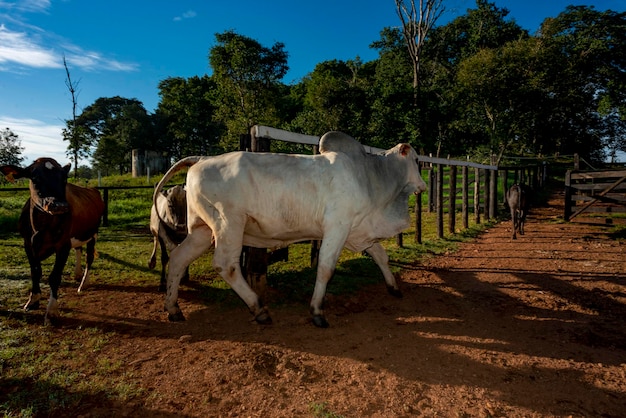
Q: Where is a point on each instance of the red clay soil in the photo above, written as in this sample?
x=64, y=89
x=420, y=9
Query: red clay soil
x=527, y=328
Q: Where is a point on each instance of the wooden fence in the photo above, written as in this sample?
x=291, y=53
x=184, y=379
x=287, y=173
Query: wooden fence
x=602, y=192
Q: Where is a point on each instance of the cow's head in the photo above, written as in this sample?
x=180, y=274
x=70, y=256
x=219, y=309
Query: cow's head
x=177, y=208
x=408, y=157
x=47, y=183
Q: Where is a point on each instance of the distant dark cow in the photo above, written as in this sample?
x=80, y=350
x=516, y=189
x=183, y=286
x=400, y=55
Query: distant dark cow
x=57, y=217
x=518, y=198
x=168, y=226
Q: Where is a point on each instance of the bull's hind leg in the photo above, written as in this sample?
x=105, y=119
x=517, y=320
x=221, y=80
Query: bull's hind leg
x=193, y=246
x=91, y=254
x=378, y=253
x=78, y=269
x=514, y=222
x=226, y=261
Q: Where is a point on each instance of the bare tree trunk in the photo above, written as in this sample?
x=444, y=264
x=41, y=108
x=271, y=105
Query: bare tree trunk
x=71, y=86
x=416, y=23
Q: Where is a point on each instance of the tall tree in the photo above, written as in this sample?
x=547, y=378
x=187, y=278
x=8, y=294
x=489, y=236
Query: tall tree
x=114, y=126
x=77, y=147
x=417, y=21
x=10, y=148
x=247, y=74
x=186, y=117
x=334, y=98
x=393, y=117
x=586, y=75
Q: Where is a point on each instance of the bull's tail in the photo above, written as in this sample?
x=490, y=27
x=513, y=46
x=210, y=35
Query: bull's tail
x=178, y=166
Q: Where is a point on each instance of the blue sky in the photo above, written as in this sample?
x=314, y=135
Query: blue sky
x=124, y=48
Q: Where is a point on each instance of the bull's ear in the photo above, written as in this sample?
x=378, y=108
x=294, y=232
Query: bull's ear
x=11, y=172
x=67, y=167
x=405, y=149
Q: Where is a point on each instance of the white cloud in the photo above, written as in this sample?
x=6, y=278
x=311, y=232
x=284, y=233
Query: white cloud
x=34, y=48
x=26, y=5
x=189, y=14
x=38, y=138
x=16, y=47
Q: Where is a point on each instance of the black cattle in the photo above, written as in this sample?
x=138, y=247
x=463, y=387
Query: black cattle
x=518, y=199
x=57, y=217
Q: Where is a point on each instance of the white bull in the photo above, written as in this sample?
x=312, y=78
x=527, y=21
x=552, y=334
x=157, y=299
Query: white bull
x=343, y=196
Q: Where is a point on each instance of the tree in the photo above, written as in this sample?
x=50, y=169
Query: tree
x=334, y=98
x=114, y=126
x=247, y=75
x=443, y=117
x=416, y=24
x=10, y=148
x=393, y=116
x=71, y=133
x=586, y=76
x=503, y=97
x=186, y=117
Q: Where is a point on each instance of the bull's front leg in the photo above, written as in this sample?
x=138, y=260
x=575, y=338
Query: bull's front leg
x=378, y=253
x=35, y=277
x=331, y=247
x=54, y=280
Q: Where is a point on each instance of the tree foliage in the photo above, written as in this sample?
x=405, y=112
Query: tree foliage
x=114, y=126
x=486, y=86
x=186, y=117
x=10, y=148
x=246, y=74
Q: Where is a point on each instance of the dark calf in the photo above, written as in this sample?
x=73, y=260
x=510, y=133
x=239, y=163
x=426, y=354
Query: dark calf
x=168, y=226
x=57, y=217
x=518, y=198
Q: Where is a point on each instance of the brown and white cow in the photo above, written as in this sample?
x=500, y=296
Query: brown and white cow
x=343, y=196
x=57, y=217
x=168, y=224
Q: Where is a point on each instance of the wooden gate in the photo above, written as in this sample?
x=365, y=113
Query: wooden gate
x=594, y=192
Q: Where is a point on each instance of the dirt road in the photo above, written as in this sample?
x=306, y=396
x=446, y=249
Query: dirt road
x=531, y=328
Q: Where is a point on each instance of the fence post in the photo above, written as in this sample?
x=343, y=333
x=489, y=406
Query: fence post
x=432, y=188
x=487, y=193
x=439, y=188
x=477, y=195
x=418, y=218
x=505, y=183
x=493, y=190
x=105, y=215
x=568, y=195
x=465, y=197
x=452, y=201
x=493, y=194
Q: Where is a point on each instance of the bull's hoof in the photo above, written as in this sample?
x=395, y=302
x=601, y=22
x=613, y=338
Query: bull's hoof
x=394, y=292
x=51, y=321
x=320, y=322
x=263, y=318
x=176, y=317
x=31, y=306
